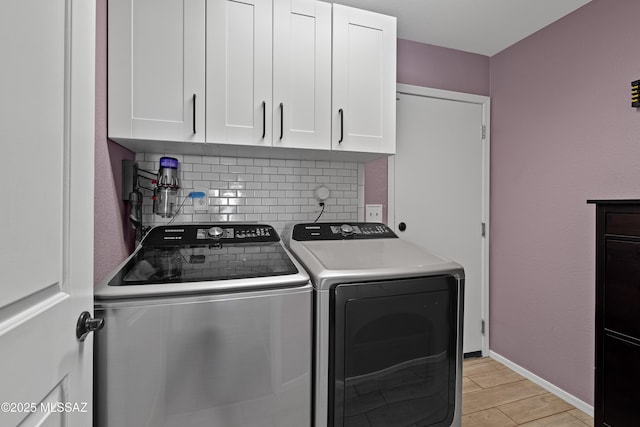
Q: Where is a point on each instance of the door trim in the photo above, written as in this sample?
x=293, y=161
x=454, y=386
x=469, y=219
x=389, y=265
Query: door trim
x=485, y=103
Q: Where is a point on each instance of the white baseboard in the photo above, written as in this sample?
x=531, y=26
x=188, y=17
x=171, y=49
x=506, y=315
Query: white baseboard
x=567, y=397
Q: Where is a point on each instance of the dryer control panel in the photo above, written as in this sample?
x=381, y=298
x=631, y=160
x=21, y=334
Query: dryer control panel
x=342, y=231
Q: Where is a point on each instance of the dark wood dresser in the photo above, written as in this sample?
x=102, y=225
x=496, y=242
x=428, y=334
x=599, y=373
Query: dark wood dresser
x=617, y=358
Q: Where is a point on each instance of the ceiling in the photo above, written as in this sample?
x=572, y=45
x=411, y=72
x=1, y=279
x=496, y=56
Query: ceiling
x=480, y=26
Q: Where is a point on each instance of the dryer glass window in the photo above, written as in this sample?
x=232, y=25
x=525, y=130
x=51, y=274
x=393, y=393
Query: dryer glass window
x=395, y=343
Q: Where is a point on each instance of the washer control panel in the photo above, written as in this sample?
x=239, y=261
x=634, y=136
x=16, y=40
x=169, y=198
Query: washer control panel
x=342, y=231
x=241, y=233
x=203, y=234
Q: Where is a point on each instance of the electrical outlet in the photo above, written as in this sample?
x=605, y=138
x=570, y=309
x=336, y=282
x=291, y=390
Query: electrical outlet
x=373, y=213
x=201, y=203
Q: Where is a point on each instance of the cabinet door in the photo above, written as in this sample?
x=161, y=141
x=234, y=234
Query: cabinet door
x=239, y=58
x=620, y=382
x=622, y=286
x=364, y=81
x=302, y=74
x=156, y=69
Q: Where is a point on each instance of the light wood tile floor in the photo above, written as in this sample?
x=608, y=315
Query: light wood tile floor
x=495, y=396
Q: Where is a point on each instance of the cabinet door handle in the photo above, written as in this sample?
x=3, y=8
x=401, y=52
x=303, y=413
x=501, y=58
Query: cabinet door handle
x=264, y=119
x=341, y=125
x=194, y=113
x=281, y=120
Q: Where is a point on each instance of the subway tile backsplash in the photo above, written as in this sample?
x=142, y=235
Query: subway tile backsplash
x=271, y=191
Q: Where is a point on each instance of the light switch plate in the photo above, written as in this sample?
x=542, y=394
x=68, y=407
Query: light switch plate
x=373, y=213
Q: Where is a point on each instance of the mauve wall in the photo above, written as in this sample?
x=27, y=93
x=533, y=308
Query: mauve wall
x=113, y=238
x=562, y=132
x=376, y=189
x=431, y=66
x=437, y=67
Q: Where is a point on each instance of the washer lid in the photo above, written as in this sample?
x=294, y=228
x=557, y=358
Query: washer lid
x=203, y=258
x=180, y=264
x=205, y=252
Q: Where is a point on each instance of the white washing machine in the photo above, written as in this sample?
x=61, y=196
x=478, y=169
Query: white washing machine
x=205, y=325
x=388, y=327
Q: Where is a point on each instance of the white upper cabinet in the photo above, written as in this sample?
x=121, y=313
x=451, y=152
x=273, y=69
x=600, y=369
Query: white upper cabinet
x=269, y=85
x=364, y=81
x=302, y=74
x=239, y=72
x=156, y=70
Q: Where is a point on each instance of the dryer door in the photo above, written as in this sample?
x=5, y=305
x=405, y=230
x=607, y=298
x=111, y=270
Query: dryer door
x=394, y=356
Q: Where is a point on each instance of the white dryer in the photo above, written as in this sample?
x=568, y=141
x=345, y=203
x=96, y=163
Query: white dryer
x=387, y=327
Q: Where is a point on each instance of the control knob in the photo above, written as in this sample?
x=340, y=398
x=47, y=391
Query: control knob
x=215, y=232
x=346, y=229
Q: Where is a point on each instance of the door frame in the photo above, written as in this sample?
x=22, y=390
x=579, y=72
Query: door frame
x=485, y=103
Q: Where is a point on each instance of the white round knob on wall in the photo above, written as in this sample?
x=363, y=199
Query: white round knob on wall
x=322, y=193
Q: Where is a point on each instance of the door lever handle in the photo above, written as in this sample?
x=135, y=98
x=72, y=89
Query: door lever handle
x=87, y=324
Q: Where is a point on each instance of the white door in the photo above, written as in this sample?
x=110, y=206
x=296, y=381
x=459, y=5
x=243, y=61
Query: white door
x=364, y=81
x=440, y=191
x=46, y=250
x=238, y=76
x=156, y=69
x=302, y=74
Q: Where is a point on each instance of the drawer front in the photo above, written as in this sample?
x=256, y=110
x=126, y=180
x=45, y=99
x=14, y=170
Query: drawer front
x=622, y=287
x=624, y=224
